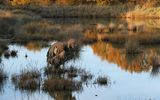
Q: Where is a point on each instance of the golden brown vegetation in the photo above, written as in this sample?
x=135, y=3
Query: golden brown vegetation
x=90, y=8
x=34, y=46
x=90, y=36
x=80, y=2
x=144, y=12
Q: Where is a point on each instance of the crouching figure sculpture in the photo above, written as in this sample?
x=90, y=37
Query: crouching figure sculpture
x=56, y=53
x=59, y=52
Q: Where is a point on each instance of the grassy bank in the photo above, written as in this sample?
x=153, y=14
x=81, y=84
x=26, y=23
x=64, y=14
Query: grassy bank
x=86, y=11
x=90, y=11
x=144, y=12
x=81, y=11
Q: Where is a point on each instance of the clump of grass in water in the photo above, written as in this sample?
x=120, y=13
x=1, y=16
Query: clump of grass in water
x=13, y=53
x=27, y=80
x=68, y=79
x=9, y=53
x=70, y=71
x=86, y=76
x=102, y=81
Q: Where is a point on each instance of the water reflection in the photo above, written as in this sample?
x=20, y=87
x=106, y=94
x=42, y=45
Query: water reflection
x=62, y=82
x=136, y=62
x=137, y=56
x=3, y=78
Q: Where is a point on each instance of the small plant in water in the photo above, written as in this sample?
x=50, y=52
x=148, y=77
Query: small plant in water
x=27, y=80
x=102, y=80
x=13, y=53
x=86, y=76
x=72, y=72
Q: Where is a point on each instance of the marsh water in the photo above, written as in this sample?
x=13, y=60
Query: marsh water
x=130, y=78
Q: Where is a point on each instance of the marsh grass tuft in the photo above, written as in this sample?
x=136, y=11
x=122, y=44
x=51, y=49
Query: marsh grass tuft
x=102, y=81
x=65, y=79
x=27, y=80
x=13, y=53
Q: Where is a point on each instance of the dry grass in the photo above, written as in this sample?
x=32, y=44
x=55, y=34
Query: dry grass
x=47, y=30
x=90, y=36
x=64, y=79
x=27, y=80
x=149, y=9
x=87, y=11
x=5, y=14
x=41, y=27
x=144, y=12
x=69, y=72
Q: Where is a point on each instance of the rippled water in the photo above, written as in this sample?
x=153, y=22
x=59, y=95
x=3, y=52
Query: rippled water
x=129, y=78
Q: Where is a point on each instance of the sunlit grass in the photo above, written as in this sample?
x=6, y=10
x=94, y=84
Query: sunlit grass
x=144, y=12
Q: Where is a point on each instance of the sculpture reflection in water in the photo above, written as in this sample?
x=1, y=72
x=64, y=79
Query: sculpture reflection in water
x=62, y=81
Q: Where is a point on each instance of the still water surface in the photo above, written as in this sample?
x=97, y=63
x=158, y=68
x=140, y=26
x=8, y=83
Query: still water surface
x=127, y=81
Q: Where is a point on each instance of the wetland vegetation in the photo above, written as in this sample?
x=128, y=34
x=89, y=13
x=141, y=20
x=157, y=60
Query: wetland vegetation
x=79, y=49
